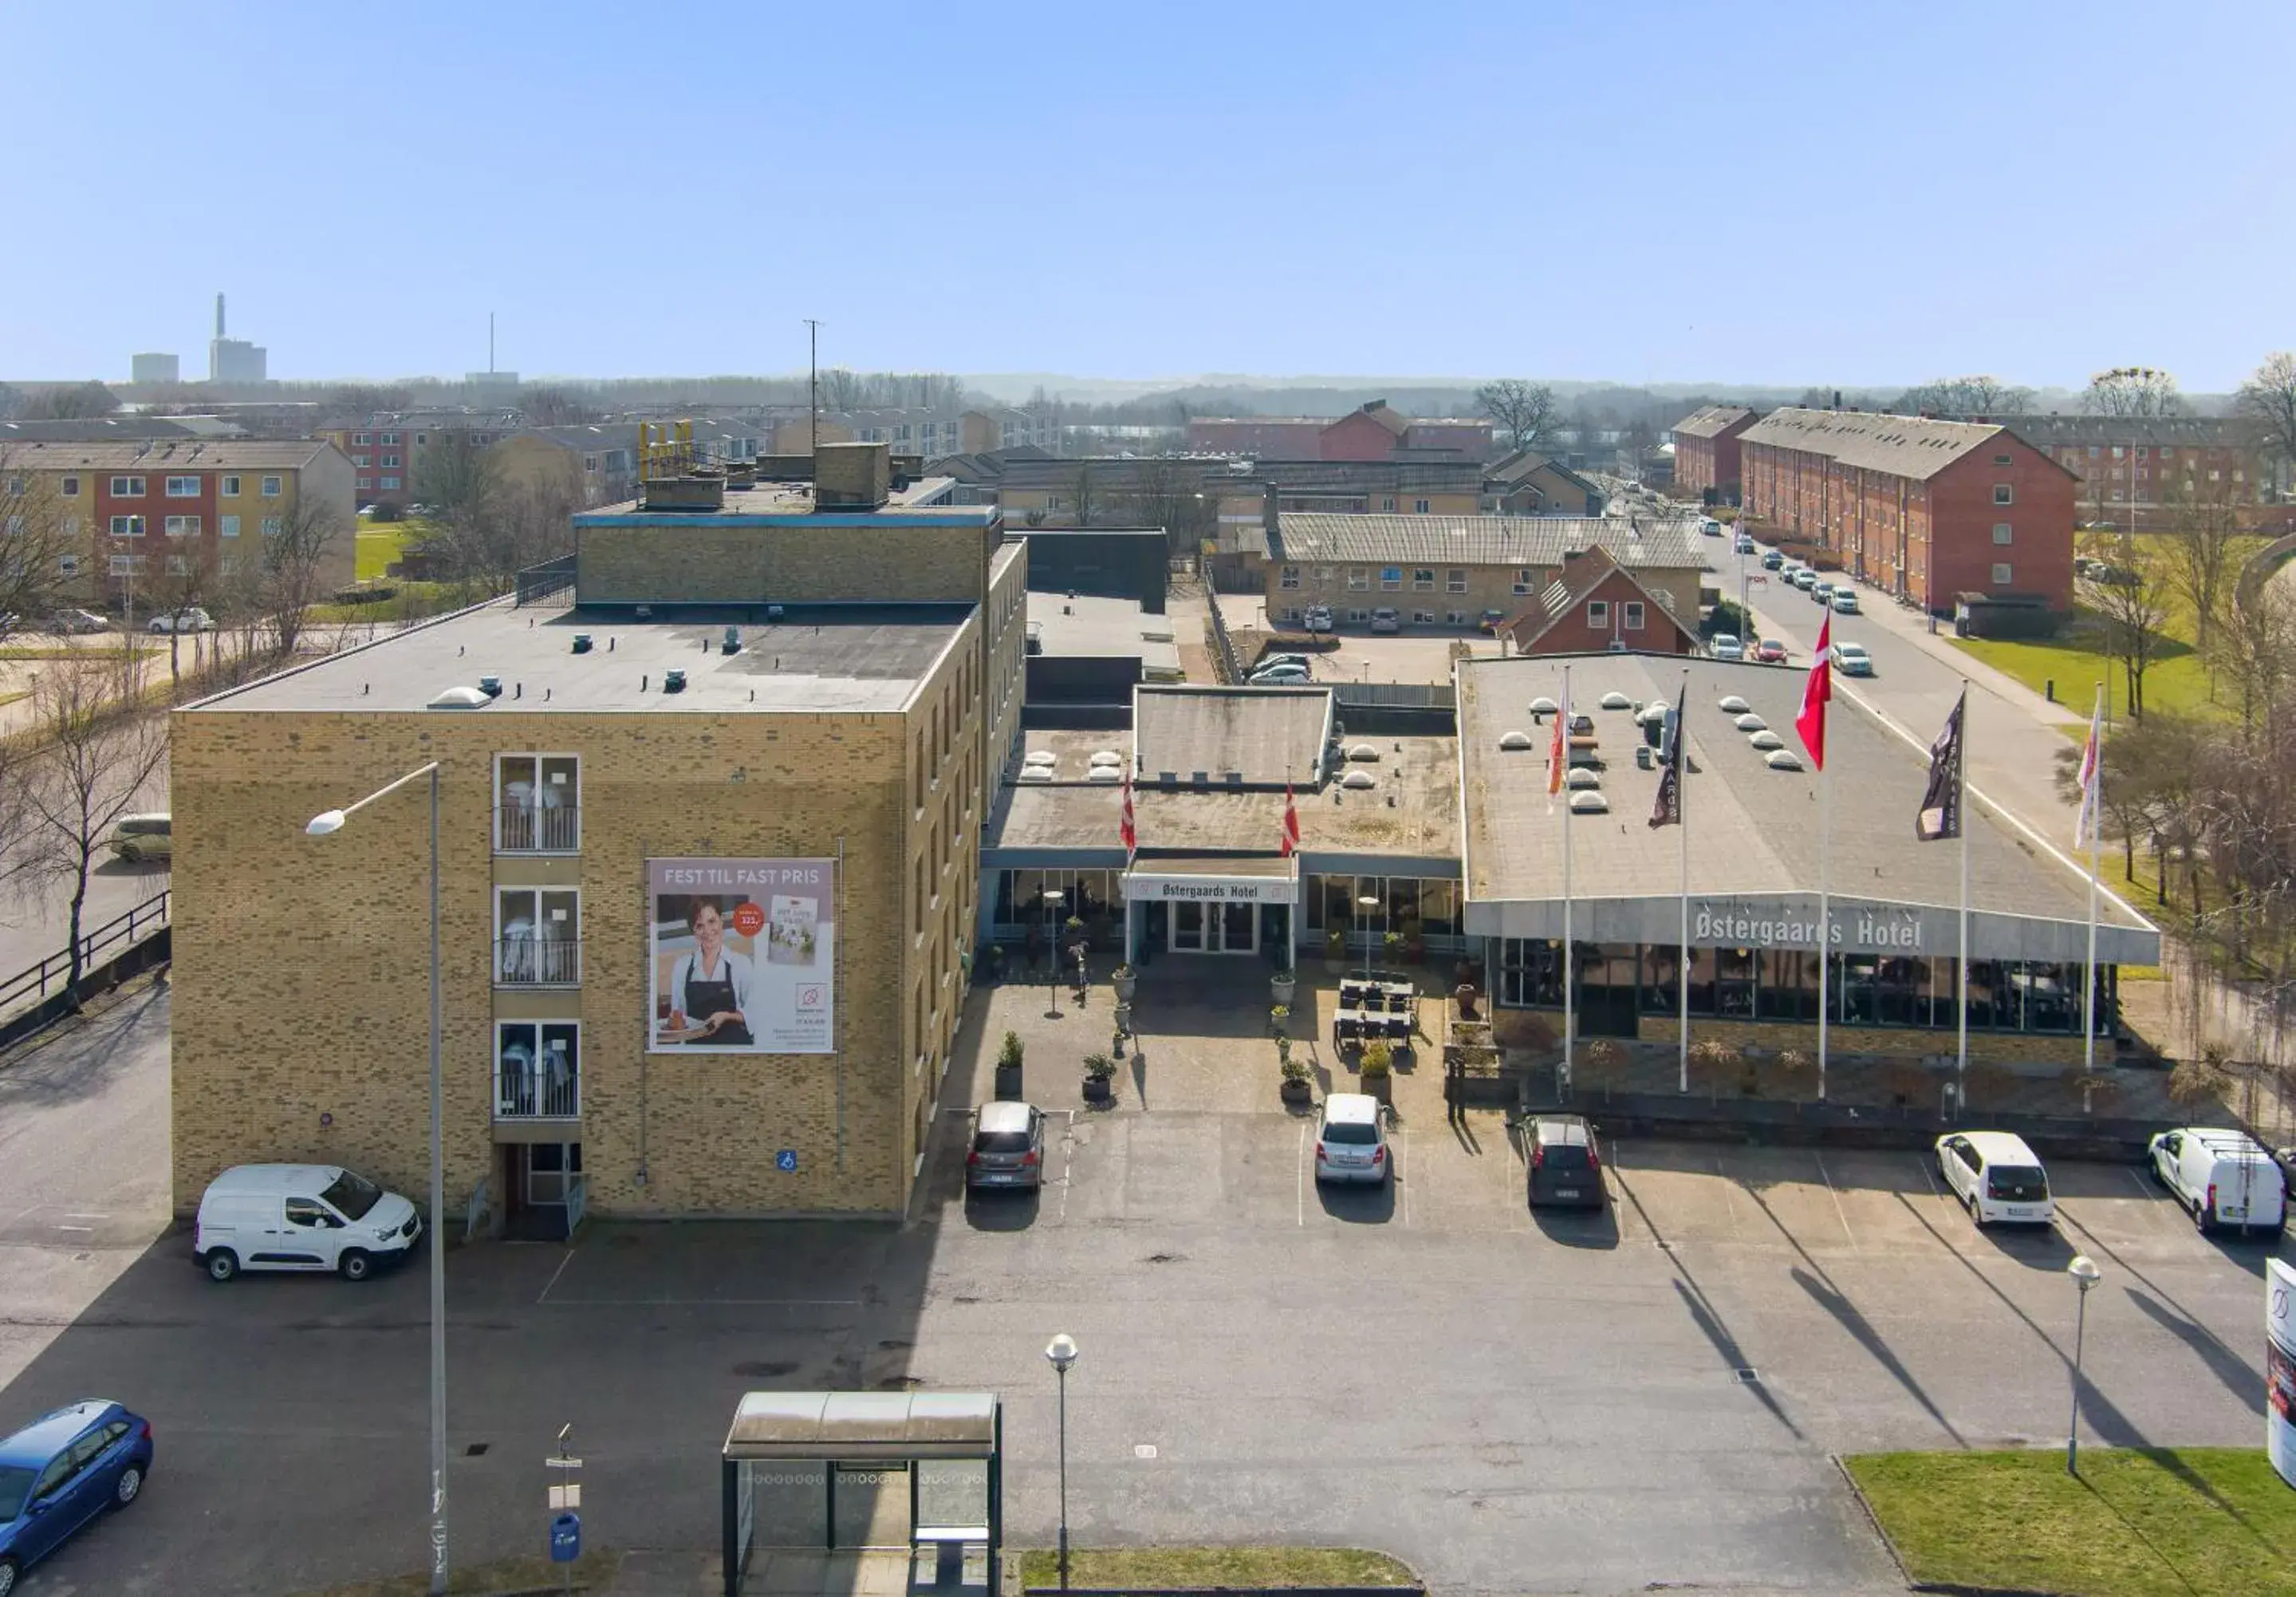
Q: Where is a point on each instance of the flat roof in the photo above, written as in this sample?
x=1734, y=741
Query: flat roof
x=776, y=501
x=1069, y=815
x=863, y=1425
x=1083, y=624
x=1266, y=736
x=1753, y=831
x=857, y=659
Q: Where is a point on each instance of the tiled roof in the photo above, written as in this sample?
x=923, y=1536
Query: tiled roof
x=1905, y=446
x=1580, y=578
x=2176, y=432
x=1525, y=540
x=1372, y=476
x=169, y=454
x=1711, y=421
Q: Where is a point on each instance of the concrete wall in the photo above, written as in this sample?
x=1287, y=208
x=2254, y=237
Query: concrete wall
x=724, y=559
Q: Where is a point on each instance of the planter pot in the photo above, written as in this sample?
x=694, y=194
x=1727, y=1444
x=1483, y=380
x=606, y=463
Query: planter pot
x=1125, y=986
x=1281, y=987
x=1297, y=1094
x=1008, y=1083
x=1379, y=1087
x=1099, y=1090
x=1334, y=967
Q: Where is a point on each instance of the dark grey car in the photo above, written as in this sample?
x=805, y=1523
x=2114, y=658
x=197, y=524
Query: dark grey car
x=1008, y=1148
x=1564, y=1167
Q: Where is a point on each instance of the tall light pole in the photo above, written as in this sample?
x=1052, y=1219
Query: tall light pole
x=1062, y=1352
x=2085, y=1275
x=1367, y=903
x=1053, y=899
x=325, y=825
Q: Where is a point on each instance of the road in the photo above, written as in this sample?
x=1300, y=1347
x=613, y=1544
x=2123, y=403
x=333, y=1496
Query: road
x=34, y=908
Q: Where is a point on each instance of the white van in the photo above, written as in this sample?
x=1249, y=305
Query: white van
x=138, y=837
x=301, y=1217
x=1997, y=1177
x=2225, y=1179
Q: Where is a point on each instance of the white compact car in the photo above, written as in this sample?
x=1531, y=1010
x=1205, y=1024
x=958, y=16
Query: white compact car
x=301, y=1217
x=1997, y=1177
x=1351, y=1140
x=2225, y=1179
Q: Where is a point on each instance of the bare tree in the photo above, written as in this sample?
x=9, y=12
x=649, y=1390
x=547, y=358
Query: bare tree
x=2133, y=390
x=1965, y=396
x=2253, y=645
x=183, y=579
x=2268, y=398
x=1171, y=493
x=457, y=475
x=2200, y=524
x=69, y=402
x=42, y=546
x=367, y=399
x=2132, y=605
x=293, y=567
x=1526, y=412
x=545, y=405
x=841, y=390
x=95, y=752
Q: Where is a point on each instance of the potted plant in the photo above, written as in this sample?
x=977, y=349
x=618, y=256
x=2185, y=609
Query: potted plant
x=1280, y=985
x=1378, y=1063
x=1335, y=951
x=1099, y=1079
x=1279, y=1021
x=1125, y=980
x=1116, y=1041
x=1391, y=949
x=992, y=962
x=1415, y=940
x=1296, y=1086
x=1008, y=1067
x=1465, y=994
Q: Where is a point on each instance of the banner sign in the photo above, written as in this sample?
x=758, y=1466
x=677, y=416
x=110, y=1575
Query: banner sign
x=742, y=956
x=2280, y=1368
x=1142, y=887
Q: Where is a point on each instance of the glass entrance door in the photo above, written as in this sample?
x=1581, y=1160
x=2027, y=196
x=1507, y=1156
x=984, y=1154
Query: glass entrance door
x=1188, y=929
x=1238, y=928
x=1215, y=928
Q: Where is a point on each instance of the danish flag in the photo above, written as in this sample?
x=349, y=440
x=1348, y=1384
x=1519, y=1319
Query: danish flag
x=1815, y=692
x=1125, y=829
x=1290, y=824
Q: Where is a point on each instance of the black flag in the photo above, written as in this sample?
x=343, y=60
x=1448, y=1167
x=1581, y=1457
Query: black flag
x=1940, y=812
x=1668, y=810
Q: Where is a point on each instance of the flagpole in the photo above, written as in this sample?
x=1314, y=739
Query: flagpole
x=1570, y=1007
x=1681, y=752
x=1824, y=920
x=2095, y=810
x=1960, y=824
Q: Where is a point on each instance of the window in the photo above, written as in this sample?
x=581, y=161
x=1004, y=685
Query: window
x=2167, y=452
x=390, y=482
x=1423, y=618
x=69, y=488
x=183, y=526
x=537, y=936
x=390, y=462
x=227, y=525
x=389, y=437
x=183, y=487
x=2093, y=451
x=2001, y=532
x=230, y=488
x=1358, y=577
x=422, y=438
x=1634, y=614
x=1522, y=576
x=127, y=488
x=1455, y=580
x=2001, y=460
x=1598, y=612
x=15, y=526
x=589, y=462
x=127, y=526
x=1530, y=973
x=360, y=438
x=1290, y=578
x=1423, y=579
x=1419, y=506
x=127, y=565
x=178, y=566
x=537, y=1071
x=273, y=526
x=2000, y=576
x=1388, y=503
x=2142, y=452
x=2002, y=494
x=366, y=483
x=68, y=565
x=538, y=800
x=1323, y=576
x=1357, y=617
x=1053, y=502
x=1390, y=577
x=2117, y=451
x=271, y=488
x=1455, y=618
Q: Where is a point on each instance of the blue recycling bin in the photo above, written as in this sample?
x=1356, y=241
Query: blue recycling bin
x=565, y=1538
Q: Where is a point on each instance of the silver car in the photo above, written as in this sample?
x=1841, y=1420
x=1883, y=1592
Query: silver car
x=1008, y=1147
x=1351, y=1141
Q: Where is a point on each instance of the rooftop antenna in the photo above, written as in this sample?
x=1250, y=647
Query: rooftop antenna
x=218, y=313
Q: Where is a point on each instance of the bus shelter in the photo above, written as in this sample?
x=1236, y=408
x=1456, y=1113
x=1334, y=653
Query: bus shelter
x=844, y=1491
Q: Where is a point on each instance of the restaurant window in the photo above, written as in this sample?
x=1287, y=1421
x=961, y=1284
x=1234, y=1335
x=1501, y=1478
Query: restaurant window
x=1787, y=985
x=1855, y=995
x=1992, y=1004
x=1702, y=981
x=1661, y=965
x=1530, y=973
x=538, y=800
x=1734, y=982
x=1438, y=907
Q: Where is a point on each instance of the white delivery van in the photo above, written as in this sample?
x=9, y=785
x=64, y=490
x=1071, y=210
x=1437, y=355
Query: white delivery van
x=2223, y=1178
x=301, y=1217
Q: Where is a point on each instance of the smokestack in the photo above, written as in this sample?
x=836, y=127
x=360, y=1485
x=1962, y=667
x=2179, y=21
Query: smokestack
x=219, y=315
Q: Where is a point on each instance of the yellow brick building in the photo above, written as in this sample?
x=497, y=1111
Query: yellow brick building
x=743, y=680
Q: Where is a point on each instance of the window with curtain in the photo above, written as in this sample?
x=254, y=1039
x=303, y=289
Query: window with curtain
x=1530, y=973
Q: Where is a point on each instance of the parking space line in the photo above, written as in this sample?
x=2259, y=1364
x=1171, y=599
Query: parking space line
x=1397, y=1174
x=2144, y=1191
x=1068, y=1161
x=1838, y=1212
x=556, y=1274
x=1922, y=1164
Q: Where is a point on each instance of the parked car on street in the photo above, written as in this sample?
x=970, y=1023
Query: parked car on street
x=1352, y=1140
x=1728, y=645
x=1772, y=560
x=1803, y=577
x=66, y=624
x=1565, y=1167
x=1745, y=544
x=1384, y=620
x=1710, y=526
x=1008, y=1147
x=1317, y=618
x=2225, y=1179
x=1845, y=601
x=60, y=1472
x=1266, y=660
x=1997, y=1177
x=1823, y=592
x=1852, y=660
x=135, y=838
x=1279, y=676
x=1771, y=652
x=190, y=619
x=300, y=1217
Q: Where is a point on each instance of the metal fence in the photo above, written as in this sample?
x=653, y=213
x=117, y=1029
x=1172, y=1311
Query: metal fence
x=1395, y=696
x=35, y=983
x=551, y=582
x=1223, y=646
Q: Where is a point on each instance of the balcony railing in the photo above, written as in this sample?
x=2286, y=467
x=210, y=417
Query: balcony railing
x=538, y=962
x=548, y=1089
x=553, y=829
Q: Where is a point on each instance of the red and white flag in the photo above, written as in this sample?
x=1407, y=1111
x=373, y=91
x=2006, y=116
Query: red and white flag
x=1558, y=746
x=2092, y=763
x=1815, y=692
x=1125, y=828
x=1290, y=824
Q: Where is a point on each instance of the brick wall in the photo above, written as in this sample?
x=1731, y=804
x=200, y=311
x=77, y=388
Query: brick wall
x=1577, y=632
x=1487, y=588
x=706, y=559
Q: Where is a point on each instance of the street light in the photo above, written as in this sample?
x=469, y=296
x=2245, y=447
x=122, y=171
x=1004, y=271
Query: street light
x=1053, y=899
x=1062, y=1350
x=326, y=825
x=1367, y=902
x=2085, y=1275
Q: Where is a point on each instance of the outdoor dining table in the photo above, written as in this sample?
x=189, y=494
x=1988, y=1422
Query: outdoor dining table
x=1374, y=1009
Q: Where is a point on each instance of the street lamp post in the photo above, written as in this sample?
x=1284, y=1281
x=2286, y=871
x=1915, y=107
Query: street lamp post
x=1062, y=1352
x=325, y=825
x=1053, y=899
x=1367, y=903
x=2085, y=1275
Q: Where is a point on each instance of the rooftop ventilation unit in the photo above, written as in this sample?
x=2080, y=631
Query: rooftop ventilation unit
x=673, y=680
x=731, y=644
x=461, y=698
x=491, y=686
x=581, y=643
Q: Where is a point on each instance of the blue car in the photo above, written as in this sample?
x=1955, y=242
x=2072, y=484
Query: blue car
x=63, y=1470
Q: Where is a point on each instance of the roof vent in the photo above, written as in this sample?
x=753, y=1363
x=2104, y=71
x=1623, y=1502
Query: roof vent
x=1751, y=722
x=1363, y=750
x=774, y=612
x=1234, y=778
x=1202, y=779
x=1035, y=773
x=1766, y=740
x=1732, y=705
x=1783, y=760
x=673, y=680
x=491, y=686
x=1044, y=757
x=1357, y=778
x=1169, y=779
x=731, y=644
x=1542, y=705
x=1103, y=773
x=461, y=698
x=581, y=643
x=1582, y=777
x=1516, y=740
x=1584, y=803
x=1106, y=757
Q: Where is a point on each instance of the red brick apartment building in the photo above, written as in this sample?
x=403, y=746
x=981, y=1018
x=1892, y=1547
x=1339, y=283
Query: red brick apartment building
x=1376, y=432
x=1924, y=509
x=1597, y=605
x=1706, y=453
x=2134, y=469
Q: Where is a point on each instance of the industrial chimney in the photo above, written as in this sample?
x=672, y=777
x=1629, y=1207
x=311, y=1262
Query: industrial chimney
x=219, y=332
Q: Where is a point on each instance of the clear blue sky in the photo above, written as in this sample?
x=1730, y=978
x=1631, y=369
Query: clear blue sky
x=1838, y=192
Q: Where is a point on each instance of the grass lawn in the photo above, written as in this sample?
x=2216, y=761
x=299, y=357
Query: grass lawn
x=1153, y=1566
x=379, y=544
x=591, y=1570
x=2165, y=1523
x=2173, y=680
